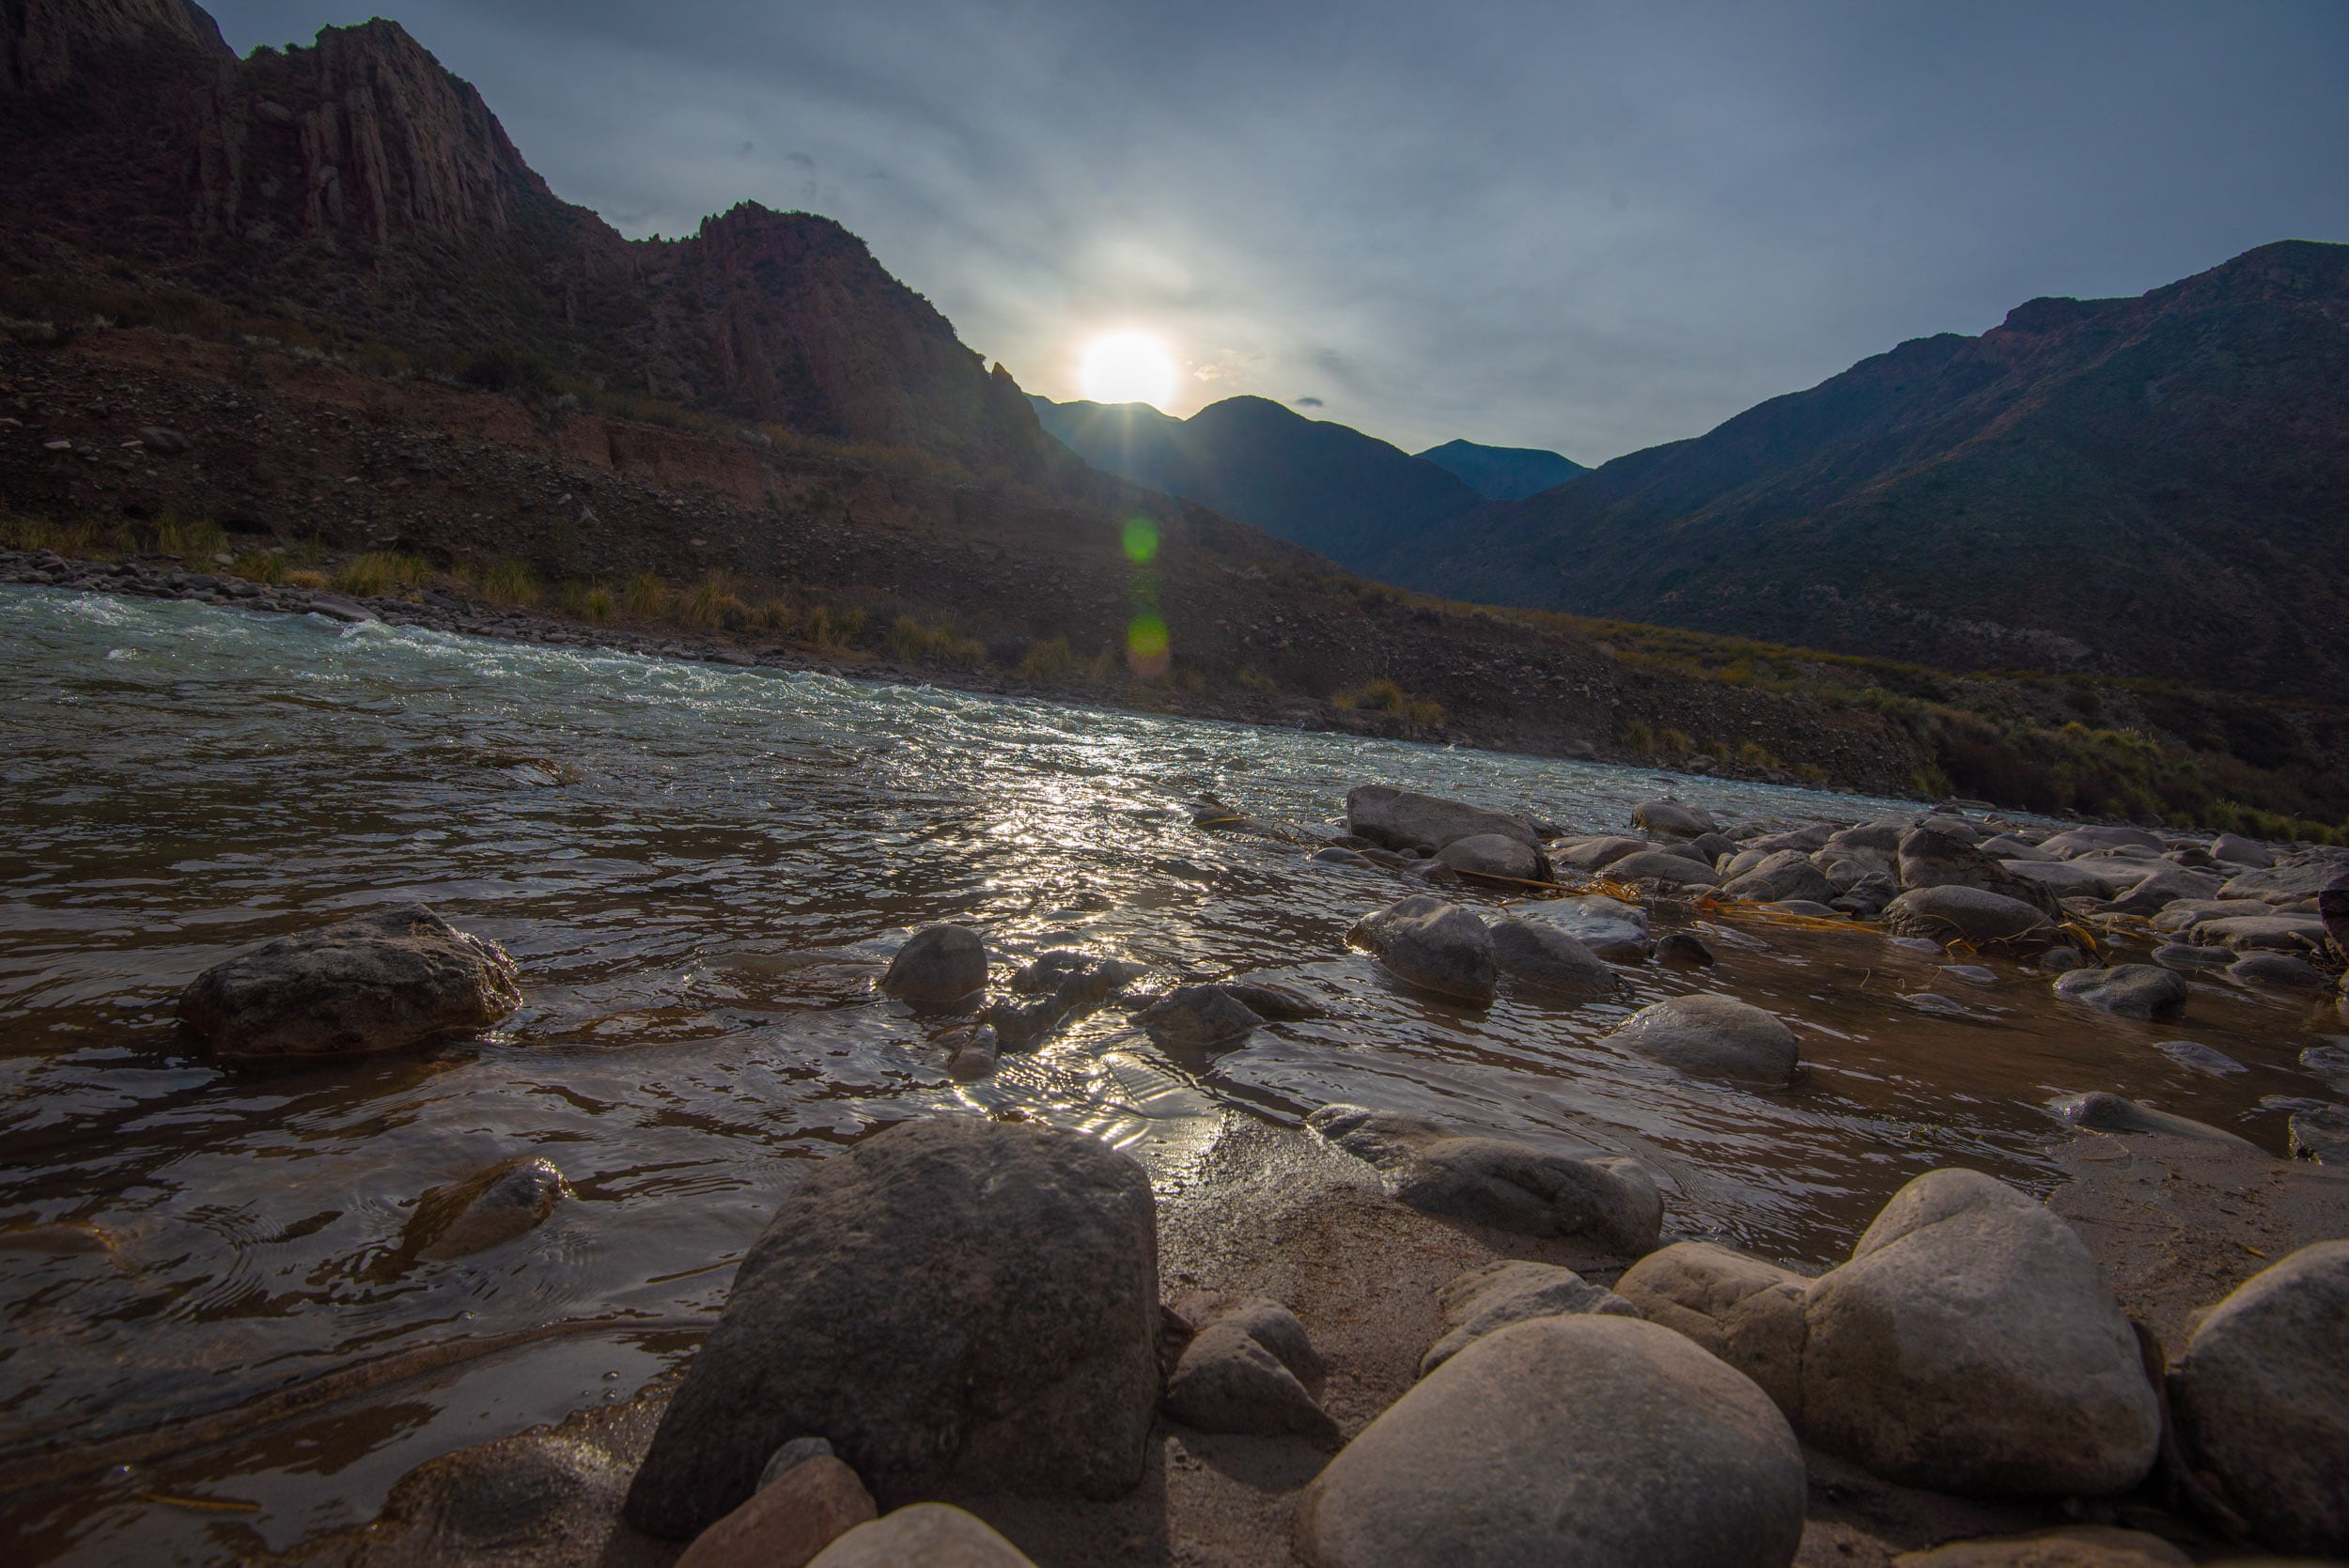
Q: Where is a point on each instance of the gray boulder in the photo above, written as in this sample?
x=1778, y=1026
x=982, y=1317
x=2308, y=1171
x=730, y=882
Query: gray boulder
x=2237, y=850
x=1495, y=857
x=1438, y=947
x=1228, y=1381
x=1664, y=865
x=1713, y=1037
x=2112, y=835
x=1598, y=1440
x=2099, y=880
x=2279, y=969
x=932, y=1534
x=2156, y=893
x=1956, y=911
x=1548, y=959
x=1932, y=856
x=2321, y=1134
x=1511, y=1290
x=2303, y=877
x=1401, y=819
x=490, y=1206
x=1785, y=874
x=2127, y=990
x=1748, y=1313
x=1972, y=1345
x=2261, y=1397
x=378, y=982
x=2261, y=933
x=2101, y=1112
x=1592, y=854
x=1197, y=1017
x=1882, y=836
x=939, y=968
x=1608, y=927
x=955, y=1301
x=1670, y=817
x=1268, y=1323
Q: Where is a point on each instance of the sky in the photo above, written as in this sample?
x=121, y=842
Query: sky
x=1530, y=223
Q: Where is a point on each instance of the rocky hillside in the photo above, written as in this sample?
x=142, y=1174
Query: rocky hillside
x=356, y=193
x=1504, y=473
x=2148, y=486
x=1314, y=482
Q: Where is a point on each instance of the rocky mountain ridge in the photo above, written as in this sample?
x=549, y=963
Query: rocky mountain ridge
x=1504, y=473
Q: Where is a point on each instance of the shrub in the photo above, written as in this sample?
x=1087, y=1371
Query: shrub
x=380, y=571
x=509, y=582
x=644, y=597
x=917, y=644
x=1638, y=737
x=258, y=565
x=197, y=540
x=587, y=601
x=1254, y=680
x=712, y=602
x=1677, y=743
x=830, y=627
x=774, y=615
x=303, y=576
x=1047, y=660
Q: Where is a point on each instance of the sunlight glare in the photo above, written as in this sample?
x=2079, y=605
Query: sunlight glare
x=1126, y=368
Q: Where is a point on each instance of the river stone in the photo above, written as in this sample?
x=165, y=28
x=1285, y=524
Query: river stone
x=2061, y=960
x=2287, y=883
x=1670, y=817
x=1597, y=1440
x=2099, y=880
x=1882, y=836
x=1197, y=1017
x=2102, y=835
x=953, y=1301
x=378, y=982
x=1547, y=958
x=1592, y=854
x=2237, y=850
x=929, y=1534
x=1953, y=910
x=788, y=1521
x=1511, y=1290
x=2164, y=888
x=1228, y=1381
x=1932, y=856
x=2330, y=1062
x=2079, y=1546
x=1683, y=950
x=1440, y=947
x=1972, y=1345
x=1714, y=1037
x=2187, y=958
x=1786, y=874
x=1748, y=1313
x=2127, y=990
x=1607, y=927
x=938, y=968
x=2276, y=933
x=490, y=1206
x=2200, y=1058
x=2261, y=1397
x=1665, y=866
x=1400, y=819
x=1267, y=1321
x=1495, y=855
x=2102, y=1112
x=2321, y=1135
x=2280, y=970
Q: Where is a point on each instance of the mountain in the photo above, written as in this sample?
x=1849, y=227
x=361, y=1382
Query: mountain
x=2153, y=487
x=363, y=189
x=1322, y=485
x=1504, y=473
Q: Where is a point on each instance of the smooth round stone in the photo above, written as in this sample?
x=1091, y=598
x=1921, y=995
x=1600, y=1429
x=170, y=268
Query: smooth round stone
x=1970, y=974
x=1714, y=1037
x=2126, y=990
x=932, y=1534
x=1954, y=912
x=2198, y=1058
x=938, y=968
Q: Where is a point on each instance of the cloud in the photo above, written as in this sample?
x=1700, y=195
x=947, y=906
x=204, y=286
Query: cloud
x=1308, y=403
x=1590, y=227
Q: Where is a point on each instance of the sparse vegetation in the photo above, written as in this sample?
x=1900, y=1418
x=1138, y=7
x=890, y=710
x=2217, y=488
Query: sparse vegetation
x=646, y=597
x=712, y=602
x=917, y=644
x=586, y=601
x=509, y=582
x=829, y=626
x=1385, y=697
x=382, y=571
x=1048, y=659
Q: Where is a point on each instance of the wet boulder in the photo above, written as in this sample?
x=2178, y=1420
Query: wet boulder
x=2303, y=875
x=1748, y=1313
x=1972, y=1345
x=2102, y=1112
x=939, y=969
x=2152, y=893
x=1592, y=1440
x=2261, y=1399
x=1485, y=1300
x=490, y=1206
x=789, y=1520
x=2125, y=990
x=1782, y=874
x=1274, y=1004
x=1932, y=856
x=1713, y=1037
x=1683, y=950
x=1665, y=866
x=1957, y=912
x=378, y=982
x=2320, y=1133
x=933, y=1534
x=1197, y=1017
x=2236, y=850
x=954, y=1302
x=2279, y=970
x=1615, y=930
x=1546, y=958
x=1434, y=945
x=1495, y=857
x=1597, y=854
x=1670, y=817
x=1401, y=819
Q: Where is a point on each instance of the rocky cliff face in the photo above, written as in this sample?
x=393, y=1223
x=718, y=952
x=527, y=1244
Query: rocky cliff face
x=359, y=188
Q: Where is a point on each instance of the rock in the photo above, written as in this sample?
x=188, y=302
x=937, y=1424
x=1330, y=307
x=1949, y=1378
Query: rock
x=1608, y=927
x=2332, y=911
x=1268, y=1323
x=976, y=1051
x=2081, y=841
x=2330, y=1062
x=1787, y=874
x=336, y=608
x=2281, y=970
x=1496, y=857
x=1440, y=947
x=1970, y=974
x=2262, y=933
x=1866, y=898
x=2129, y=990
x=926, y=1535
x=1610, y=1202
x=1197, y=1017
x=2100, y=1111
x=490, y=1207
x=1670, y=817
x=1712, y=846
x=2061, y=960
x=953, y=1302
x=379, y=982
x=1275, y=1003
x=2079, y=1546
x=2180, y=914
x=2321, y=1135
x=2198, y=1058
x=1955, y=911
x=2155, y=893
x=2237, y=850
x=1931, y=857
x=1748, y=1313
x=1882, y=837
x=1545, y=958
x=1592, y=854
x=1399, y=819
x=1713, y=1037
x=1348, y=859
x=798, y=1451
x=788, y=1521
x=1972, y=1345
x=1662, y=865
x=1801, y=840
x=1078, y=979
x=1683, y=950
x=1503, y=1293
x=162, y=438
x=939, y=969
x=1228, y=1381
x=2099, y=880
x=2288, y=883
x=1598, y=1440
x=2261, y=1399
x=2187, y=958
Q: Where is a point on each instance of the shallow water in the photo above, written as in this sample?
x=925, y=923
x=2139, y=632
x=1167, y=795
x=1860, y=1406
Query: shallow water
x=700, y=870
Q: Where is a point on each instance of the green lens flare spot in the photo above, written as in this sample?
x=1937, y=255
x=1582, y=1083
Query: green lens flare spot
x=1141, y=541
x=1146, y=646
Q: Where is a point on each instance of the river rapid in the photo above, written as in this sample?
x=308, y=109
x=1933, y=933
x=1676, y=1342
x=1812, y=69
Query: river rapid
x=700, y=871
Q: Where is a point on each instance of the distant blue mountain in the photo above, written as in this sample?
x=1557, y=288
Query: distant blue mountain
x=1504, y=473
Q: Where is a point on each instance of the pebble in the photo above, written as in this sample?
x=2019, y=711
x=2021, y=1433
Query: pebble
x=2127, y=990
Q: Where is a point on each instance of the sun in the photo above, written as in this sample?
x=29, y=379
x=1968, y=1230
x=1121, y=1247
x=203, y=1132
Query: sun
x=1126, y=368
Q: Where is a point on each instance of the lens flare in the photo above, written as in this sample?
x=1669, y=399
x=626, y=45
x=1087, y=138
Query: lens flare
x=1148, y=653
x=1141, y=541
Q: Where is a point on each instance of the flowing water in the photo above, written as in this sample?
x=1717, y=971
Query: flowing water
x=700, y=871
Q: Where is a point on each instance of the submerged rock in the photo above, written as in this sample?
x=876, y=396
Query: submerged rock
x=2321, y=1134
x=2261, y=1397
x=2129, y=990
x=1547, y=958
x=1748, y=1313
x=940, y=969
x=378, y=982
x=1611, y=928
x=1683, y=950
x=1197, y=1017
x=953, y=1301
x=1714, y=1037
x=1509, y=1291
x=1438, y=947
x=1597, y=1440
x=2199, y=1057
x=490, y=1207
x=2100, y=1111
